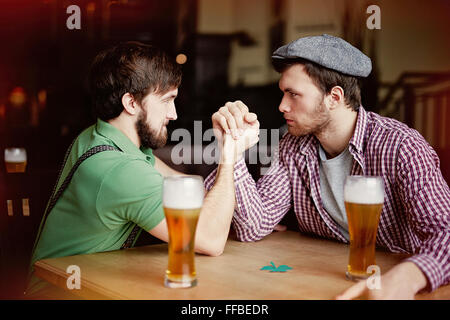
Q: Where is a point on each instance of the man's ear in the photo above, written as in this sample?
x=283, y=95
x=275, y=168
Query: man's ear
x=129, y=104
x=336, y=97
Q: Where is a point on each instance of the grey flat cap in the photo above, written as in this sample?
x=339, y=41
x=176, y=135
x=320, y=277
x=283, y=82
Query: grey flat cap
x=327, y=51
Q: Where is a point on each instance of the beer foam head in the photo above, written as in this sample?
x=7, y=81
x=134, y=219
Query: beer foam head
x=364, y=190
x=15, y=155
x=183, y=192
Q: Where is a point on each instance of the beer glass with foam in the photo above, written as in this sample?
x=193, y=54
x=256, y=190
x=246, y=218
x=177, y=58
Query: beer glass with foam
x=364, y=197
x=15, y=160
x=182, y=202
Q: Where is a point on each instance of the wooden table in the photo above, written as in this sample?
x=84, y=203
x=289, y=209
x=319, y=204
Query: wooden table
x=318, y=271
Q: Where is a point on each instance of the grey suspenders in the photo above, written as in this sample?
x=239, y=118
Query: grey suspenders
x=55, y=196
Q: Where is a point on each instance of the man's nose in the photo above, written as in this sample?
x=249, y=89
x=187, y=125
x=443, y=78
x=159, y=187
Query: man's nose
x=172, y=115
x=284, y=106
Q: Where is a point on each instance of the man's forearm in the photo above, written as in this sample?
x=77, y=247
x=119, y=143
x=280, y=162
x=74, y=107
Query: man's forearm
x=216, y=214
x=413, y=275
x=403, y=281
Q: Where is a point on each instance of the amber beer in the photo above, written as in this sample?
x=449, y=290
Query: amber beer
x=15, y=160
x=364, y=198
x=182, y=201
x=181, y=224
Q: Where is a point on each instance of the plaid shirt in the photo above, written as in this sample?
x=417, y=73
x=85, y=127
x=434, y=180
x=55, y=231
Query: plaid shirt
x=416, y=212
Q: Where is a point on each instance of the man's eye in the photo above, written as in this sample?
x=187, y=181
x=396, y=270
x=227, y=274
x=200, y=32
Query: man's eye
x=293, y=94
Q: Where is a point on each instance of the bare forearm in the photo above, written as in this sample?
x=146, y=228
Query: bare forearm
x=411, y=274
x=218, y=207
x=217, y=211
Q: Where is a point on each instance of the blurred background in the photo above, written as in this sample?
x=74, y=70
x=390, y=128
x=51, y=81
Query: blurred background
x=224, y=47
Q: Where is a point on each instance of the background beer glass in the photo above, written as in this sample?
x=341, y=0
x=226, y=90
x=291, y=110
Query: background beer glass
x=364, y=197
x=15, y=160
x=182, y=201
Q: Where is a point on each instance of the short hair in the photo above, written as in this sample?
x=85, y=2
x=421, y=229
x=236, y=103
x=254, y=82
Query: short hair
x=325, y=79
x=132, y=67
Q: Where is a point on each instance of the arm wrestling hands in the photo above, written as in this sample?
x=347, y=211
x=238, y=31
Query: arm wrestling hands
x=235, y=121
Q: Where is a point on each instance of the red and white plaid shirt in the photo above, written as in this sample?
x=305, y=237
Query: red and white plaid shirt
x=416, y=212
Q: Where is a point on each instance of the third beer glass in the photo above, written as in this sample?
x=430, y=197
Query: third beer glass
x=15, y=160
x=363, y=198
x=182, y=201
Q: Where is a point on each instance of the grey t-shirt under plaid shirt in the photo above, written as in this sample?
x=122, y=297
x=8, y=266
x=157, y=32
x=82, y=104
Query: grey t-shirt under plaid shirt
x=332, y=178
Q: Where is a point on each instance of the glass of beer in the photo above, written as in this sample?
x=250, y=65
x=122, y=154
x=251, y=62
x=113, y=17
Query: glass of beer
x=15, y=160
x=364, y=197
x=182, y=202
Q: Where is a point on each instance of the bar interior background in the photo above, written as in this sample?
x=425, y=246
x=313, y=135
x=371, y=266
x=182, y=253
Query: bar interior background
x=227, y=44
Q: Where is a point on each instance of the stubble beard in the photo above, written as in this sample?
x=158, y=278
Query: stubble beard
x=321, y=120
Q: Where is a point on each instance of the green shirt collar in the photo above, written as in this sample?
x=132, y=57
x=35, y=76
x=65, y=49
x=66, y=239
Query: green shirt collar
x=122, y=141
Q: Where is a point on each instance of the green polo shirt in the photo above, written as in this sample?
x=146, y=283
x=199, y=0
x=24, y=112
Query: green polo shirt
x=109, y=194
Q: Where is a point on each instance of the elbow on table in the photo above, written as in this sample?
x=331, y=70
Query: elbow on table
x=211, y=248
x=215, y=252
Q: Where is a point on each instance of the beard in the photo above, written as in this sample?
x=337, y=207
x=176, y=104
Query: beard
x=319, y=119
x=150, y=138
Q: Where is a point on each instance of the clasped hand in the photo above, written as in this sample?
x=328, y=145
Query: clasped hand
x=236, y=130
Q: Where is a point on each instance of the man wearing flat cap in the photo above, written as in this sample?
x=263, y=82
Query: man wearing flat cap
x=330, y=136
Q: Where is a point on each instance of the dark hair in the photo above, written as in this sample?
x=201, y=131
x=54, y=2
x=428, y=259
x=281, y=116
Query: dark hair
x=325, y=79
x=131, y=67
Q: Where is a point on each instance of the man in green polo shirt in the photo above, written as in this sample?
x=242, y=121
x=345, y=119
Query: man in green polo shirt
x=133, y=88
